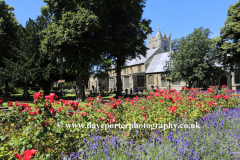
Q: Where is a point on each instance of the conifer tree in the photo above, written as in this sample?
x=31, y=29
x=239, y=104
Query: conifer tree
x=8, y=43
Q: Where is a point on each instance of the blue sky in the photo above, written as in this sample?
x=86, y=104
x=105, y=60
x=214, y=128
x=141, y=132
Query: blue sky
x=180, y=16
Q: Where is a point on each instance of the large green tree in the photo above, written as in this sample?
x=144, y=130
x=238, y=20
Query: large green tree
x=8, y=42
x=24, y=69
x=84, y=31
x=73, y=34
x=124, y=30
x=194, y=58
x=228, y=41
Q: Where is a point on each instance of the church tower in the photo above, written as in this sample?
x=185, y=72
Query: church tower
x=162, y=42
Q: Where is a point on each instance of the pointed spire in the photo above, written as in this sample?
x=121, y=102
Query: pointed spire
x=164, y=35
x=153, y=35
x=169, y=35
x=159, y=33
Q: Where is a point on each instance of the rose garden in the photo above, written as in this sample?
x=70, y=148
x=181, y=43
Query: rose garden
x=34, y=133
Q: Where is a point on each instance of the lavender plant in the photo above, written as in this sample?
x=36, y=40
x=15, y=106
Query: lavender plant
x=218, y=138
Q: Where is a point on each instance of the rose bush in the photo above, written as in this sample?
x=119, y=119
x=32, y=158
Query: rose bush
x=43, y=127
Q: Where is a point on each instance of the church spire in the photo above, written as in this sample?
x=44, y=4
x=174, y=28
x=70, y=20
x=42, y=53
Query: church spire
x=164, y=35
x=153, y=35
x=159, y=33
x=169, y=35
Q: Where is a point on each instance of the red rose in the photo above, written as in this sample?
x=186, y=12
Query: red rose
x=85, y=114
x=36, y=95
x=51, y=122
x=1, y=101
x=10, y=104
x=27, y=157
x=39, y=112
x=142, y=107
x=18, y=156
x=226, y=109
x=31, y=151
x=32, y=113
x=143, y=113
x=53, y=111
x=44, y=123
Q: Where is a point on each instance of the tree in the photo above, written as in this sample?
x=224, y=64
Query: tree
x=24, y=69
x=113, y=28
x=8, y=42
x=33, y=65
x=124, y=30
x=194, y=58
x=228, y=42
x=73, y=34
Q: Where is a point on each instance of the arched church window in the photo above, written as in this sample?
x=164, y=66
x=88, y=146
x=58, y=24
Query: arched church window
x=165, y=49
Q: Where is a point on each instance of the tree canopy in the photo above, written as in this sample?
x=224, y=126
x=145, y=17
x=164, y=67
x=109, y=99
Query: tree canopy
x=124, y=31
x=228, y=41
x=194, y=58
x=88, y=32
x=8, y=42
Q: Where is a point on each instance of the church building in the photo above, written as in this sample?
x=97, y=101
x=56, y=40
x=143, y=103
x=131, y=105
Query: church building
x=149, y=73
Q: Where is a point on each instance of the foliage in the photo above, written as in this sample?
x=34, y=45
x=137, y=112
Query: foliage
x=8, y=42
x=12, y=89
x=42, y=127
x=228, y=42
x=194, y=58
x=67, y=84
x=125, y=36
x=73, y=30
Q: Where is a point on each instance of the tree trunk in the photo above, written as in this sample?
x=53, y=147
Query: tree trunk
x=83, y=89
x=25, y=90
x=190, y=83
x=46, y=87
x=83, y=93
x=119, y=82
x=7, y=94
x=79, y=88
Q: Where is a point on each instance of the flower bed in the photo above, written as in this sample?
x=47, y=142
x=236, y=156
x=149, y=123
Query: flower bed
x=25, y=127
x=218, y=138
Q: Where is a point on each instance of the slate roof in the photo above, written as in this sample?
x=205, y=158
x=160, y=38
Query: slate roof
x=158, y=63
x=142, y=59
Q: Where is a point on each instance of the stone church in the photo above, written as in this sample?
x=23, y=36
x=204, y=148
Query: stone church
x=149, y=73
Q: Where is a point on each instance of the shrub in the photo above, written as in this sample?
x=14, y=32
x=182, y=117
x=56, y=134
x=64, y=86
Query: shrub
x=20, y=91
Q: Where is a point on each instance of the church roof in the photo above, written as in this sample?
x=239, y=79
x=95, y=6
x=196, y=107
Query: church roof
x=158, y=63
x=142, y=59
